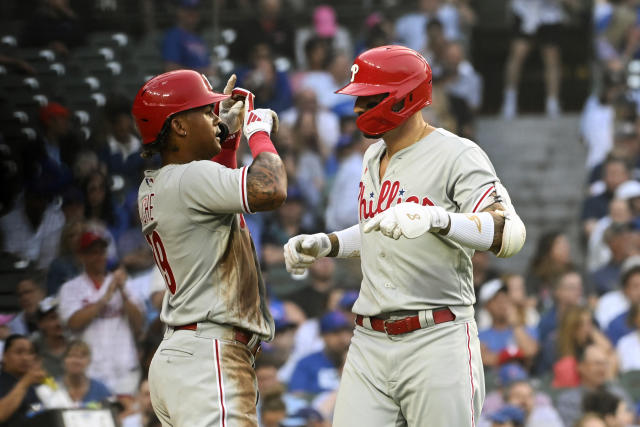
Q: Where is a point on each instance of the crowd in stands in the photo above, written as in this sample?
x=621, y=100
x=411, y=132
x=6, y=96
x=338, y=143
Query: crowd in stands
x=560, y=343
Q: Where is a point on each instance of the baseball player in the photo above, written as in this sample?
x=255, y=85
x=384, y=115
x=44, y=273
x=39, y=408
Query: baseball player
x=428, y=199
x=191, y=214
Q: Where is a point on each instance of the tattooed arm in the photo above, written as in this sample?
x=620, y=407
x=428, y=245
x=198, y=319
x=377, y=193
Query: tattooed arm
x=266, y=182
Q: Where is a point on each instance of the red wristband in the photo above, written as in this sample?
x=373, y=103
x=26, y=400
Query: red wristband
x=260, y=142
x=227, y=156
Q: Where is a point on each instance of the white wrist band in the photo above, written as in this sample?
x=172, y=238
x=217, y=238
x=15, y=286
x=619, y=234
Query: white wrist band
x=348, y=242
x=472, y=230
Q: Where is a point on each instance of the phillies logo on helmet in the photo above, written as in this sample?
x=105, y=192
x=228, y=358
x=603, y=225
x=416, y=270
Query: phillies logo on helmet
x=354, y=70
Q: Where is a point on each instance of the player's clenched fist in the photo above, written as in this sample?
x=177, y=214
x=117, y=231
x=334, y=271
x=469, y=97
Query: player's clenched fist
x=302, y=250
x=410, y=220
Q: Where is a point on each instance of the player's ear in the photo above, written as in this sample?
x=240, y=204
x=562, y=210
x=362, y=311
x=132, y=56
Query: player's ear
x=179, y=125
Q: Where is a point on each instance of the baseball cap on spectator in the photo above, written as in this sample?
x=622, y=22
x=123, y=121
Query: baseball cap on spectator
x=510, y=373
x=46, y=306
x=91, y=237
x=334, y=321
x=280, y=318
x=507, y=414
x=324, y=21
x=302, y=417
x=628, y=190
x=51, y=110
x=490, y=289
x=348, y=299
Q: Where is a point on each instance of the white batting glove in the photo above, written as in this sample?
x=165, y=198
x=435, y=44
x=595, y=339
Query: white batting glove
x=232, y=109
x=302, y=250
x=410, y=220
x=262, y=119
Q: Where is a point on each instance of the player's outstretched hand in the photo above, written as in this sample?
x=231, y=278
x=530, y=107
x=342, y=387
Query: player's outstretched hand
x=232, y=109
x=302, y=250
x=410, y=220
x=262, y=119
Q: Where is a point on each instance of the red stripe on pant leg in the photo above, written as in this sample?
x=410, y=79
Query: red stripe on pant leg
x=471, y=375
x=220, y=388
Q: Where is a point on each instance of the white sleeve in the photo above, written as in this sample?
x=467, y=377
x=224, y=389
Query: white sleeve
x=207, y=186
x=70, y=301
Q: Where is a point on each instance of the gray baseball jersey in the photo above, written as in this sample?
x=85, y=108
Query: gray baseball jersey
x=191, y=216
x=441, y=169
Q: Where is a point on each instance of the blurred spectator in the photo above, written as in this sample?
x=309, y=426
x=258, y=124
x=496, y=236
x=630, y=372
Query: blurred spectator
x=182, y=47
x=525, y=306
x=273, y=410
x=540, y=22
x=320, y=371
x=307, y=417
x=144, y=415
x=628, y=347
x=271, y=86
x=378, y=31
x=598, y=252
x=616, y=302
x=101, y=309
x=134, y=251
x=551, y=259
x=266, y=368
x=610, y=407
x=507, y=339
x=575, y=333
x=325, y=27
x=537, y=413
x=121, y=152
x=616, y=33
x=615, y=171
x=463, y=86
x=621, y=244
x=623, y=323
x=567, y=292
x=269, y=24
x=280, y=348
x=50, y=341
x=434, y=51
x=19, y=374
x=629, y=191
x=327, y=80
x=598, y=118
x=30, y=292
x=509, y=416
x=77, y=388
x=67, y=264
x=309, y=177
x=483, y=271
x=31, y=230
x=410, y=28
x=593, y=366
x=313, y=299
x=342, y=209
x=306, y=102
x=54, y=25
x=100, y=207
x=58, y=140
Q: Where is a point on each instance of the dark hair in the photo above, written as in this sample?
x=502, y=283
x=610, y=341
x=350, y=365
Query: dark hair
x=10, y=340
x=600, y=402
x=626, y=276
x=634, y=311
x=106, y=214
x=161, y=142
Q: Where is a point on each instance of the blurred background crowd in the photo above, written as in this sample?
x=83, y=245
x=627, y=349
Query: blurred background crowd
x=550, y=88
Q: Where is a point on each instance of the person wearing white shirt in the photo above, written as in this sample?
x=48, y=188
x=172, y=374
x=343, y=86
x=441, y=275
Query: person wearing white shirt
x=628, y=347
x=103, y=311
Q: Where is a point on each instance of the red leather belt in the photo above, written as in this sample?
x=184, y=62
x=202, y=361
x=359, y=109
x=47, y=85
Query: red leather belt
x=408, y=324
x=241, y=336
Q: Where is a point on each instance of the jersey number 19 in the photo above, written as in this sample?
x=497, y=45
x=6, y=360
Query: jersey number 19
x=160, y=255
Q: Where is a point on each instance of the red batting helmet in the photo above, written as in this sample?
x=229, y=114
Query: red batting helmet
x=168, y=94
x=397, y=70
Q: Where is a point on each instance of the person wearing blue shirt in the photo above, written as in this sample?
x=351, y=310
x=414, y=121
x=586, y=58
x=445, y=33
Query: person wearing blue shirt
x=620, y=325
x=508, y=337
x=320, y=372
x=19, y=374
x=182, y=47
x=75, y=382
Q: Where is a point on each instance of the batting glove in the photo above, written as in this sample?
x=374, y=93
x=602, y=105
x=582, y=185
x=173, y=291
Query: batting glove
x=232, y=109
x=302, y=250
x=410, y=220
x=260, y=120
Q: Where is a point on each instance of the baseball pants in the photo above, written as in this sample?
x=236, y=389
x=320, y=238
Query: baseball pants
x=203, y=378
x=429, y=377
